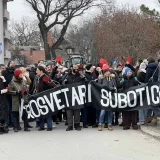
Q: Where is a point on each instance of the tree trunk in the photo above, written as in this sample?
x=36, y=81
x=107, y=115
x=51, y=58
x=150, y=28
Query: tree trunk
x=44, y=33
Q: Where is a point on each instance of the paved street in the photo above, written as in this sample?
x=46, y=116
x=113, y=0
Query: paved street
x=89, y=144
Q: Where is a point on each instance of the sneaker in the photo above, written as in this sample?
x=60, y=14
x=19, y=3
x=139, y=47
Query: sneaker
x=140, y=123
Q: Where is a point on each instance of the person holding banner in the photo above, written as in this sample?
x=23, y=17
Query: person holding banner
x=109, y=80
x=44, y=83
x=129, y=117
x=73, y=77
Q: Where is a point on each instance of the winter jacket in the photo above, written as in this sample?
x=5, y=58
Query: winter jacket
x=8, y=74
x=90, y=76
x=44, y=83
x=3, y=102
x=129, y=82
x=150, y=70
x=109, y=82
x=16, y=86
x=141, y=76
x=71, y=78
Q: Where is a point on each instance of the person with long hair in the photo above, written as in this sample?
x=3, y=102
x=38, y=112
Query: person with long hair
x=44, y=83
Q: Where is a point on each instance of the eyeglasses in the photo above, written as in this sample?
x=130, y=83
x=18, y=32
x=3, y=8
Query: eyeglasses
x=60, y=68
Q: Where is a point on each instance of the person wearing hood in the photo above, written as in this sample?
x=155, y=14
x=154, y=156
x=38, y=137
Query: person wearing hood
x=129, y=117
x=8, y=74
x=141, y=73
x=89, y=112
x=17, y=90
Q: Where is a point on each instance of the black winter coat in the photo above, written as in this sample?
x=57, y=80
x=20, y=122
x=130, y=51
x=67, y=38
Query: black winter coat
x=3, y=103
x=44, y=83
x=90, y=76
x=151, y=68
x=71, y=78
x=129, y=82
x=141, y=76
x=8, y=75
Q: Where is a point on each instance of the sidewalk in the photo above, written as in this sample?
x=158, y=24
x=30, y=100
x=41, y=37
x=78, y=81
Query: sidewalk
x=153, y=131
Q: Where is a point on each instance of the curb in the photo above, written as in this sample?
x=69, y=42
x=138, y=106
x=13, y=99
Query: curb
x=149, y=132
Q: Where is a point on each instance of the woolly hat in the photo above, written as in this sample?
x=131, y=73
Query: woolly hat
x=88, y=66
x=127, y=70
x=17, y=72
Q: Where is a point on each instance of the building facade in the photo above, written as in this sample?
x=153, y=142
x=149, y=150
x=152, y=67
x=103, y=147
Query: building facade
x=5, y=54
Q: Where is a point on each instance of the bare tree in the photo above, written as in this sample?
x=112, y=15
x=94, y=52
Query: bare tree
x=25, y=32
x=81, y=38
x=124, y=33
x=20, y=58
x=51, y=13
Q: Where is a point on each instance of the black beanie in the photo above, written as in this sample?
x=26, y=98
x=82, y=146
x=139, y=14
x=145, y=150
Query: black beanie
x=88, y=66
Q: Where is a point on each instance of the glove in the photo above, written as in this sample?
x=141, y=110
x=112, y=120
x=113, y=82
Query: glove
x=3, y=91
x=23, y=91
x=122, y=81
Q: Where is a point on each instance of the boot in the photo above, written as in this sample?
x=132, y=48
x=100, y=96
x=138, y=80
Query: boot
x=110, y=127
x=69, y=128
x=26, y=130
x=135, y=127
x=15, y=129
x=100, y=127
x=4, y=130
x=148, y=119
x=126, y=127
x=77, y=127
x=85, y=125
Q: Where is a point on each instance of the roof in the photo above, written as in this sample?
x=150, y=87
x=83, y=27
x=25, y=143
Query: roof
x=34, y=55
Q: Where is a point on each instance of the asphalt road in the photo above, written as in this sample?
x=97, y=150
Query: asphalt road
x=88, y=144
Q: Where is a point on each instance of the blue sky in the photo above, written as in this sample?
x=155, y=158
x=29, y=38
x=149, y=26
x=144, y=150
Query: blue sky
x=19, y=8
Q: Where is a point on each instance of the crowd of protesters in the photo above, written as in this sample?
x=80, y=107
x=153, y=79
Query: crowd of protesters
x=17, y=84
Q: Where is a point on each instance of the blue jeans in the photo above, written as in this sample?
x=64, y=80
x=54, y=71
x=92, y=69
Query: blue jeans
x=102, y=114
x=142, y=115
x=49, y=122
